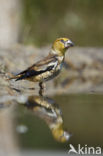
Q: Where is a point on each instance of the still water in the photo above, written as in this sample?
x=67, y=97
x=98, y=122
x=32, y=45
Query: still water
x=37, y=124
x=49, y=123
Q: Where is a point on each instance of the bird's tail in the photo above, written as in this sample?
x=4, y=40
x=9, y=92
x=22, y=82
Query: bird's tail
x=16, y=77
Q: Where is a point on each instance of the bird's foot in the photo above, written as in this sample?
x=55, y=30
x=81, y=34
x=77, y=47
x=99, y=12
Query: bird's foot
x=41, y=92
x=42, y=88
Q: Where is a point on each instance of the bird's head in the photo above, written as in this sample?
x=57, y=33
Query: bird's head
x=60, y=46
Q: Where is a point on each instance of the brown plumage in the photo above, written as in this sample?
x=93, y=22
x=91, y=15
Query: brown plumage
x=36, y=69
x=49, y=67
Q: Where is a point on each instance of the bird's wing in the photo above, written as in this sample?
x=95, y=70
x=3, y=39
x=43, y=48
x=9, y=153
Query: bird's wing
x=48, y=63
x=50, y=60
x=41, y=64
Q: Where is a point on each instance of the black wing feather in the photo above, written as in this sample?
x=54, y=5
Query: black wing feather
x=29, y=73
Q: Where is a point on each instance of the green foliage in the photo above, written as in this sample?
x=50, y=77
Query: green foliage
x=44, y=21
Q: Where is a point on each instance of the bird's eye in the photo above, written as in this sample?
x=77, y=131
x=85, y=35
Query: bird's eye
x=62, y=41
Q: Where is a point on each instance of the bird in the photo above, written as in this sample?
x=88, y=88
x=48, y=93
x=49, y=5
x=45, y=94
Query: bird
x=48, y=67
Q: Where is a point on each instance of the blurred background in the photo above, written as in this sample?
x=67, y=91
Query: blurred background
x=27, y=29
x=41, y=22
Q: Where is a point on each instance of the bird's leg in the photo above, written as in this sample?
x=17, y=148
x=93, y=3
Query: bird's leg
x=42, y=86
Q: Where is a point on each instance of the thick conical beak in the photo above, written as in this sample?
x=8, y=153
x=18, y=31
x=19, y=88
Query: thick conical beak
x=69, y=43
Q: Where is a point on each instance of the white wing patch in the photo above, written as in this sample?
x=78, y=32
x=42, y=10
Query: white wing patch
x=53, y=64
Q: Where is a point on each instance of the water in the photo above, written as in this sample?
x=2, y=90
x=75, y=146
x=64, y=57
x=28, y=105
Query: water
x=39, y=124
x=82, y=117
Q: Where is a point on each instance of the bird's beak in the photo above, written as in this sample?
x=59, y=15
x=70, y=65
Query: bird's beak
x=68, y=44
x=71, y=44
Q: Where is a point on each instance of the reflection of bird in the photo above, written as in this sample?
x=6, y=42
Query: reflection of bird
x=46, y=109
x=49, y=67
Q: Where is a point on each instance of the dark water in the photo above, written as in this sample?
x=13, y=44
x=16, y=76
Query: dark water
x=80, y=115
